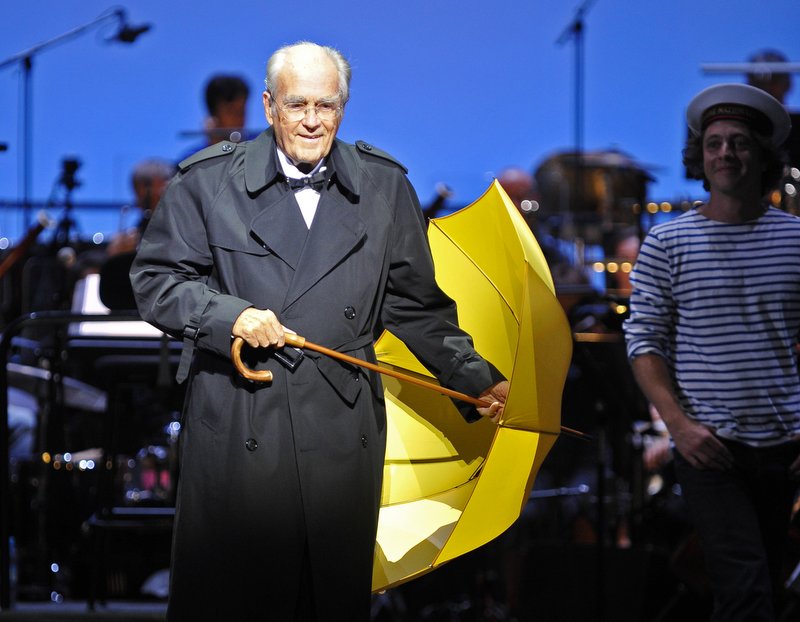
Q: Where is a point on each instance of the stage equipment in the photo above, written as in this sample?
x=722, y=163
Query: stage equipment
x=105, y=355
x=575, y=32
x=613, y=185
x=77, y=394
x=125, y=33
x=754, y=67
x=233, y=134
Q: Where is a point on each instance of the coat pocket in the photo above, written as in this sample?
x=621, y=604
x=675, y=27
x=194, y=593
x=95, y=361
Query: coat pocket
x=229, y=240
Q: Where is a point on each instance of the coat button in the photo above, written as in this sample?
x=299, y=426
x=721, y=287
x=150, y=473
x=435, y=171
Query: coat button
x=227, y=147
x=363, y=440
x=349, y=312
x=251, y=444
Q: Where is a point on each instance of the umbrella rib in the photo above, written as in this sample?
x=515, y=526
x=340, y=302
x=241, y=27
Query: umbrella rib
x=478, y=268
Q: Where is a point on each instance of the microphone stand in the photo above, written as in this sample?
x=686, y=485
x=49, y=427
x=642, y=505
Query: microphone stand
x=575, y=31
x=69, y=182
x=25, y=60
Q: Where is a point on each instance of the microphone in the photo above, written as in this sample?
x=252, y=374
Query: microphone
x=129, y=34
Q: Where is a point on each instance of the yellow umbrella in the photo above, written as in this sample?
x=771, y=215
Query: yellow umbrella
x=449, y=486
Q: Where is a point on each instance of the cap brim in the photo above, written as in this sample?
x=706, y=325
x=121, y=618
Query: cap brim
x=743, y=95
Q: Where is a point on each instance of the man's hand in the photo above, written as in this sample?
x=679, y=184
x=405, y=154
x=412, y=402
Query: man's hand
x=495, y=396
x=259, y=328
x=700, y=447
x=694, y=441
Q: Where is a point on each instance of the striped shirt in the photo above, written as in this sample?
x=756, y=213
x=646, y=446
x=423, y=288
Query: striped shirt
x=720, y=303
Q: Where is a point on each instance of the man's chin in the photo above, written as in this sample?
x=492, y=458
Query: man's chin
x=307, y=157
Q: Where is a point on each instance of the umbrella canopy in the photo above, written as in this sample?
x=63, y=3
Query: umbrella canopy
x=451, y=486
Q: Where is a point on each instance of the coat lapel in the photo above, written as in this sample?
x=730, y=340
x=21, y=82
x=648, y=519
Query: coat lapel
x=279, y=227
x=335, y=232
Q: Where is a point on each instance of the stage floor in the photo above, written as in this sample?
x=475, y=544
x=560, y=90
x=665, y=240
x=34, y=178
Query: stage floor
x=556, y=583
x=116, y=611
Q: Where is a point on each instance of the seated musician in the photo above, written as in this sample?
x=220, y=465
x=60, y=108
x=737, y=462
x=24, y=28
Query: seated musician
x=149, y=179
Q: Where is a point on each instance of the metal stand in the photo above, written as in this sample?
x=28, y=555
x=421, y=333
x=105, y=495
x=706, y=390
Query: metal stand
x=575, y=31
x=124, y=34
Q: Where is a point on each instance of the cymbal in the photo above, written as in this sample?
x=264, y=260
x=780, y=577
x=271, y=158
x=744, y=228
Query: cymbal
x=77, y=394
x=611, y=159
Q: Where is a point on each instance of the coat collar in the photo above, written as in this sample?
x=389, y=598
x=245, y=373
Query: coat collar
x=262, y=167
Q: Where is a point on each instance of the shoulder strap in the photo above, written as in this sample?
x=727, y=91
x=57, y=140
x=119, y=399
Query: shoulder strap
x=222, y=148
x=372, y=150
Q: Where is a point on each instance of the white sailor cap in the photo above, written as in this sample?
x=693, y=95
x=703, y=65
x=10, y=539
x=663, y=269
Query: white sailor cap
x=740, y=102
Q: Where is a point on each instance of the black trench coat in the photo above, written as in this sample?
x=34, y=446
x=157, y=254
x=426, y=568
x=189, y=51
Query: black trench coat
x=273, y=473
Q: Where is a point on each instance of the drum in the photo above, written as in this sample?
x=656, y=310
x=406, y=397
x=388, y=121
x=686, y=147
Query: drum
x=592, y=186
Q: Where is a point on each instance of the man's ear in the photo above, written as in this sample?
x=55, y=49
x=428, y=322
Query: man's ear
x=267, y=99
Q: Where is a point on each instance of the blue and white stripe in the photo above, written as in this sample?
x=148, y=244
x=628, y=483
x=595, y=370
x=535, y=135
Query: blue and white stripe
x=721, y=303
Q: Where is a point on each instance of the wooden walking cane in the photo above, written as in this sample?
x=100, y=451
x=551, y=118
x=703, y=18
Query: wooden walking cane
x=297, y=341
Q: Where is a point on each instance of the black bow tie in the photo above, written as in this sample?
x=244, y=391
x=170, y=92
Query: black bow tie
x=316, y=182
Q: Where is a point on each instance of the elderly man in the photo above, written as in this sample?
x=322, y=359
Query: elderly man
x=280, y=484
x=712, y=335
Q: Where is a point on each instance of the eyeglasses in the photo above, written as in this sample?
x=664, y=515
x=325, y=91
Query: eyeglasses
x=297, y=111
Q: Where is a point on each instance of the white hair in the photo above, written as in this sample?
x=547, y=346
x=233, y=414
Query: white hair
x=278, y=60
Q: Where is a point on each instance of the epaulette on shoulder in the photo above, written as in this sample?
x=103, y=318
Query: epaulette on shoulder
x=225, y=147
x=372, y=150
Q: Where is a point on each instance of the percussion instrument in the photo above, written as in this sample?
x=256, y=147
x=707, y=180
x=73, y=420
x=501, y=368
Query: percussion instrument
x=592, y=186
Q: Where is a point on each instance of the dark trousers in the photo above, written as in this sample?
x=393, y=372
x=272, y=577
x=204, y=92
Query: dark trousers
x=742, y=518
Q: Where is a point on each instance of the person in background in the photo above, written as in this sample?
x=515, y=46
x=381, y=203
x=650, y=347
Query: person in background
x=296, y=230
x=777, y=84
x=148, y=181
x=226, y=104
x=625, y=249
x=711, y=338
x=520, y=186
